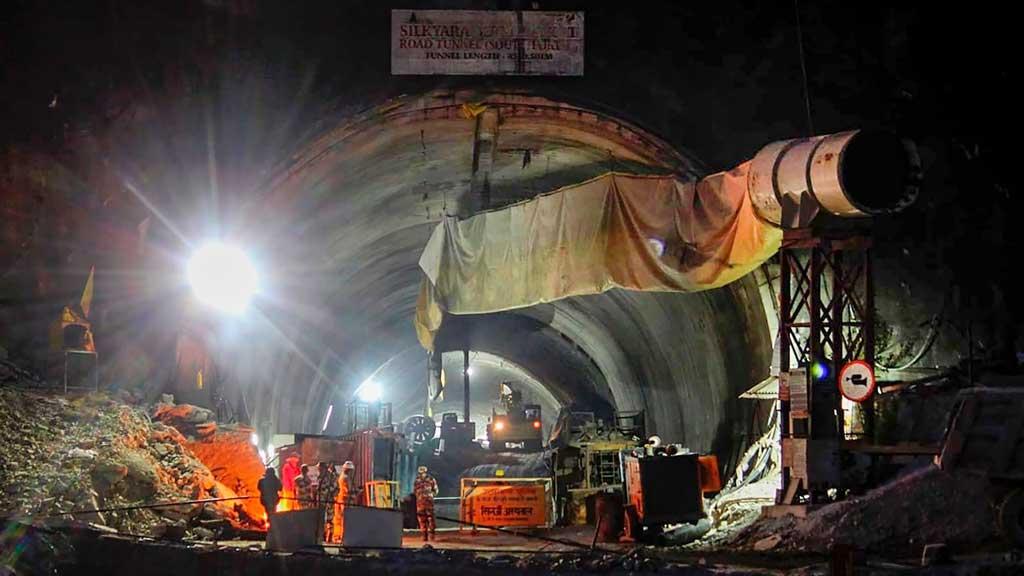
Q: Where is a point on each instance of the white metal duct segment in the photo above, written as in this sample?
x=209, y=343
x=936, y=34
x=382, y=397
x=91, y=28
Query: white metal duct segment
x=849, y=174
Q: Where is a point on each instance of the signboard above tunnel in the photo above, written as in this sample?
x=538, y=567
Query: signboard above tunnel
x=486, y=43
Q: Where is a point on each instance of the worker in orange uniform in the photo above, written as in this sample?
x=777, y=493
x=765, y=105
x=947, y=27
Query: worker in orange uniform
x=425, y=489
x=346, y=495
x=347, y=483
x=289, y=472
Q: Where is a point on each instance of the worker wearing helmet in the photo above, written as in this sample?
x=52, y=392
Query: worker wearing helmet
x=425, y=489
x=346, y=496
x=305, y=492
x=289, y=472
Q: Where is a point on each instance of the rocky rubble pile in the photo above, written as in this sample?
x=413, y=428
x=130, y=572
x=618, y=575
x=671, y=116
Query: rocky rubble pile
x=227, y=450
x=64, y=457
x=925, y=506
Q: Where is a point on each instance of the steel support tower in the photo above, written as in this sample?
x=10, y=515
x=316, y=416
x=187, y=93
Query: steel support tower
x=826, y=317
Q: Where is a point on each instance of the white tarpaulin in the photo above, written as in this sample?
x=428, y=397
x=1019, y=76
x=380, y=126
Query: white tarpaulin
x=653, y=233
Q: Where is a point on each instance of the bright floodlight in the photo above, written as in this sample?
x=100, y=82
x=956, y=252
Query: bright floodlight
x=223, y=277
x=369, y=392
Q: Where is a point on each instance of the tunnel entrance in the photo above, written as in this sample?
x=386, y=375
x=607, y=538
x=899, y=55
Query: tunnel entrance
x=365, y=195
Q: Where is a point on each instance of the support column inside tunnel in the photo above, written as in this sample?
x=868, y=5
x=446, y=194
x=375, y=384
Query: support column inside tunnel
x=488, y=372
x=465, y=384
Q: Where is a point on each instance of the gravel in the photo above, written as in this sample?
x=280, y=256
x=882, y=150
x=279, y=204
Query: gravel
x=63, y=456
x=922, y=507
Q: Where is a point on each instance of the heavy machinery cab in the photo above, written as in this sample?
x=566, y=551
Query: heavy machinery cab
x=520, y=427
x=532, y=412
x=455, y=434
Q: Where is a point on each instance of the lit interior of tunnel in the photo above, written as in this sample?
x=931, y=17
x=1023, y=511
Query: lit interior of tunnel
x=361, y=198
x=408, y=394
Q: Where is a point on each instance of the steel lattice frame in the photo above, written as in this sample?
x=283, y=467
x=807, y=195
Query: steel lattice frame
x=826, y=309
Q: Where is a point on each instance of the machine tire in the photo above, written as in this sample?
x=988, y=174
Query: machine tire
x=1011, y=518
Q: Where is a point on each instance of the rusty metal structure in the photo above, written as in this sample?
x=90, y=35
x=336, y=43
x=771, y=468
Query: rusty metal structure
x=827, y=300
x=826, y=318
x=821, y=190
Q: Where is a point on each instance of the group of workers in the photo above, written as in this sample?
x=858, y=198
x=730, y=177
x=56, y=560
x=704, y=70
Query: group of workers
x=333, y=492
x=329, y=490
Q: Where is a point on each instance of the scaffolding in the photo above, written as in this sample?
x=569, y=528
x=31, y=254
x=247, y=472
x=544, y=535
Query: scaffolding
x=360, y=415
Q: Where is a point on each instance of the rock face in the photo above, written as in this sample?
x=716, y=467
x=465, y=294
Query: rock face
x=65, y=458
x=226, y=451
x=235, y=464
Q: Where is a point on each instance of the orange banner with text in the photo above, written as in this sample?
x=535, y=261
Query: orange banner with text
x=499, y=504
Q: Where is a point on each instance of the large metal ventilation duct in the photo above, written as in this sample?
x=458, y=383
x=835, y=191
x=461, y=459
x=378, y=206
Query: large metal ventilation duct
x=850, y=174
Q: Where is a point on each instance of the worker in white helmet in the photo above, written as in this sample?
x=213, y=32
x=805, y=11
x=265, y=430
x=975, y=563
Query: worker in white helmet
x=348, y=491
x=346, y=496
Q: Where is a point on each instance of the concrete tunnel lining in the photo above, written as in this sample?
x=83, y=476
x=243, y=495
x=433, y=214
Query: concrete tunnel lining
x=364, y=197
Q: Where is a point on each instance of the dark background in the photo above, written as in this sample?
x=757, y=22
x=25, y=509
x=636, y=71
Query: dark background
x=717, y=79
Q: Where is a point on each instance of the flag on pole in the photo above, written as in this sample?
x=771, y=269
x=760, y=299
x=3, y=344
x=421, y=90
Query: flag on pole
x=86, y=302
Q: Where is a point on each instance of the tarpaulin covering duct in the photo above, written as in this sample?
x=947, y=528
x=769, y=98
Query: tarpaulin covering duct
x=650, y=233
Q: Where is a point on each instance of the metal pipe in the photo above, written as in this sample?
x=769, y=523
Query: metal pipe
x=869, y=340
x=840, y=354
x=849, y=174
x=465, y=385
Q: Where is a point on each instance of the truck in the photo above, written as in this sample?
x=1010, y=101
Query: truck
x=985, y=436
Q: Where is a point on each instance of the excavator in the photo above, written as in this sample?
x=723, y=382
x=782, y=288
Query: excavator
x=520, y=426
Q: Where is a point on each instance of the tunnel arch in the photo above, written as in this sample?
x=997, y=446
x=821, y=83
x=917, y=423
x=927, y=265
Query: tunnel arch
x=363, y=196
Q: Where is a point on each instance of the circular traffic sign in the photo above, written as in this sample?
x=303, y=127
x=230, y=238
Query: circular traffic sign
x=857, y=381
